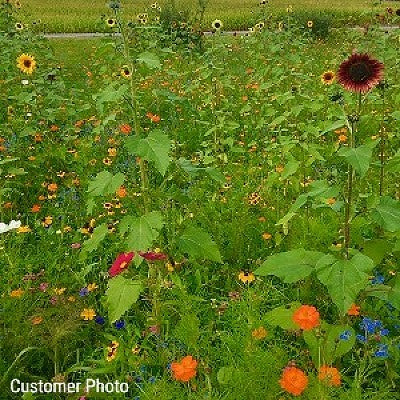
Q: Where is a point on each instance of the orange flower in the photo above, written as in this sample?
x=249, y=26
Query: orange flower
x=153, y=117
x=37, y=320
x=52, y=187
x=184, y=370
x=259, y=333
x=36, y=208
x=54, y=128
x=121, y=192
x=17, y=293
x=330, y=375
x=306, y=317
x=293, y=380
x=125, y=129
x=342, y=138
x=354, y=310
x=266, y=236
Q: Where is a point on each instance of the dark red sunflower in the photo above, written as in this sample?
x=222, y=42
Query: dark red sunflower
x=360, y=73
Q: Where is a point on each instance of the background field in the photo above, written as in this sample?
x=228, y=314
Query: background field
x=84, y=16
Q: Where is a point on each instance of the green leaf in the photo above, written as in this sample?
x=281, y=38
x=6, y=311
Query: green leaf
x=154, y=148
x=98, y=235
x=150, y=59
x=326, y=346
x=188, y=330
x=121, y=294
x=394, y=294
x=345, y=279
x=393, y=164
x=336, y=125
x=290, y=266
x=225, y=375
x=387, y=214
x=199, y=245
x=105, y=183
x=282, y=316
x=290, y=168
x=142, y=231
x=377, y=249
x=359, y=158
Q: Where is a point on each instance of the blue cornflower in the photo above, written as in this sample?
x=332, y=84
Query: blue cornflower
x=384, y=332
x=345, y=335
x=382, y=351
x=367, y=324
x=100, y=320
x=139, y=379
x=120, y=324
x=152, y=379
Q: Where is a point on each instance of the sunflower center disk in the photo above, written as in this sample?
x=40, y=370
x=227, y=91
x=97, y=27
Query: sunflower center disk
x=360, y=72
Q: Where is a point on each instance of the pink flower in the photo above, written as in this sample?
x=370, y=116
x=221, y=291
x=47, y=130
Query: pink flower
x=43, y=286
x=152, y=256
x=121, y=263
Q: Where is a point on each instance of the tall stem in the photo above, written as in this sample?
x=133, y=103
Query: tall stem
x=350, y=181
x=382, y=146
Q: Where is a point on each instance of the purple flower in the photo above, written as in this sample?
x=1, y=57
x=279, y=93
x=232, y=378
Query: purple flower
x=120, y=324
x=100, y=320
x=84, y=292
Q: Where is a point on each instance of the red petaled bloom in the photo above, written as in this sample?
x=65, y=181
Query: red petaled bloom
x=121, y=263
x=152, y=256
x=360, y=73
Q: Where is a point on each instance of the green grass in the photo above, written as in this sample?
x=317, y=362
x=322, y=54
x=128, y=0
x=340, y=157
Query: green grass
x=86, y=16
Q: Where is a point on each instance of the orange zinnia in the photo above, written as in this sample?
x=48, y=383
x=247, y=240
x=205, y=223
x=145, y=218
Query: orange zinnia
x=306, y=317
x=330, y=375
x=293, y=380
x=153, y=117
x=184, y=370
x=125, y=128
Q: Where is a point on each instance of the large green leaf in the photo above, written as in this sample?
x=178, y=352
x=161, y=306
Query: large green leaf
x=290, y=266
x=121, y=294
x=142, y=231
x=105, y=183
x=344, y=279
x=98, y=235
x=359, y=157
x=393, y=164
x=326, y=346
x=394, y=294
x=155, y=148
x=282, y=316
x=150, y=59
x=387, y=214
x=198, y=244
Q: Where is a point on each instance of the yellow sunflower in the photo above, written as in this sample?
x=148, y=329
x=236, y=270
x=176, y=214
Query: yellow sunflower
x=19, y=26
x=111, y=22
x=26, y=63
x=310, y=24
x=125, y=72
x=328, y=77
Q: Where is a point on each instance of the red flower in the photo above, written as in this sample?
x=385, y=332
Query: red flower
x=121, y=263
x=152, y=256
x=360, y=73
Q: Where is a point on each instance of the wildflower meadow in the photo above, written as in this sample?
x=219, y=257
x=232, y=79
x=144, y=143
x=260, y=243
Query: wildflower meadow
x=199, y=200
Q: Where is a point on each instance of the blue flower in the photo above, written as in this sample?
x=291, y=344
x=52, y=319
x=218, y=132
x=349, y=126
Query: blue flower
x=382, y=351
x=142, y=369
x=152, y=379
x=100, y=320
x=361, y=338
x=378, y=279
x=345, y=335
x=120, y=324
x=369, y=325
x=384, y=332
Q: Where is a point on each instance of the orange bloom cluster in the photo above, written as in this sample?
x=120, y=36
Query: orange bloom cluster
x=330, y=375
x=184, y=370
x=306, y=317
x=293, y=380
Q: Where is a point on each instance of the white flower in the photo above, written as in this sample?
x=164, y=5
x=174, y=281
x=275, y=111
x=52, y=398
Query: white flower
x=8, y=227
x=25, y=82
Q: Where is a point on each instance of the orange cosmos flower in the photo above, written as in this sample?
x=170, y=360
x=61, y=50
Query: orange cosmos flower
x=330, y=375
x=52, y=187
x=121, y=192
x=54, y=128
x=153, y=117
x=184, y=370
x=306, y=317
x=293, y=380
x=354, y=310
x=36, y=208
